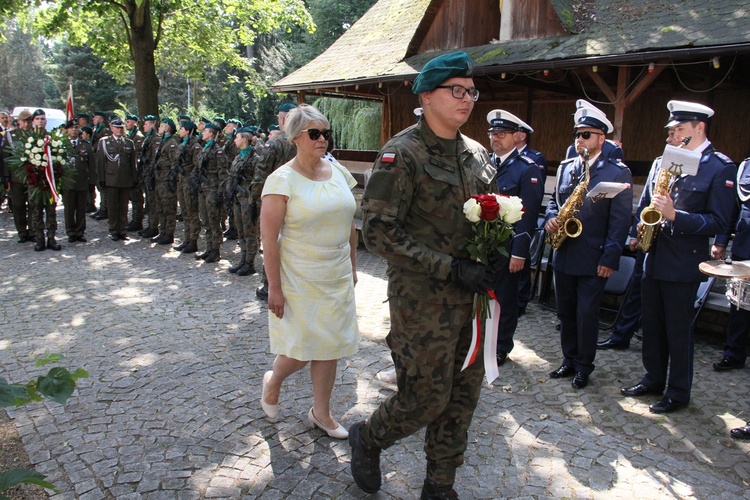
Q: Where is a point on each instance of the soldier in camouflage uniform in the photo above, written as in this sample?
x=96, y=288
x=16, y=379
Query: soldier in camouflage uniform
x=231, y=150
x=211, y=176
x=165, y=183
x=189, y=156
x=136, y=194
x=42, y=209
x=274, y=154
x=412, y=217
x=145, y=174
x=238, y=195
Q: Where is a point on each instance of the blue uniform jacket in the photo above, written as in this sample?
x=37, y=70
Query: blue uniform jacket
x=741, y=243
x=610, y=149
x=705, y=204
x=539, y=159
x=605, y=223
x=519, y=176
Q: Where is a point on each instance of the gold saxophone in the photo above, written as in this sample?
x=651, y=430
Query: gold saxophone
x=569, y=225
x=651, y=217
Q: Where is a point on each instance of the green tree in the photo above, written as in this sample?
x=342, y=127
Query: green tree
x=140, y=35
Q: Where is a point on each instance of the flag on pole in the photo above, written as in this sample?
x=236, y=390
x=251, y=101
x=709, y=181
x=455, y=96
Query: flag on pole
x=69, y=106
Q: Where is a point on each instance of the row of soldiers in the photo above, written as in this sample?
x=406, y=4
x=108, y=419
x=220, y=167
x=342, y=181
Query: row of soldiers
x=212, y=170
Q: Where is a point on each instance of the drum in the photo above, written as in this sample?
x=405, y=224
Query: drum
x=737, y=275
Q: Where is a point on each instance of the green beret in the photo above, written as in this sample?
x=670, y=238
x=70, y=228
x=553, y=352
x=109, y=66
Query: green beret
x=286, y=107
x=169, y=122
x=183, y=118
x=220, y=120
x=212, y=126
x=443, y=68
x=149, y=118
x=99, y=113
x=204, y=120
x=83, y=115
x=87, y=129
x=249, y=130
x=188, y=125
x=235, y=121
x=273, y=127
x=131, y=117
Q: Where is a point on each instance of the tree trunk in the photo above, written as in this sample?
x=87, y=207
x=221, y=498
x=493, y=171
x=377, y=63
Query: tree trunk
x=143, y=45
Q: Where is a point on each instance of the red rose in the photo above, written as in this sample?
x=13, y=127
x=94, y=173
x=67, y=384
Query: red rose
x=490, y=207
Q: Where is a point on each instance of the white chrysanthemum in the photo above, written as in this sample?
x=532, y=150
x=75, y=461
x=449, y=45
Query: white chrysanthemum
x=511, y=208
x=30, y=140
x=472, y=210
x=40, y=142
x=24, y=159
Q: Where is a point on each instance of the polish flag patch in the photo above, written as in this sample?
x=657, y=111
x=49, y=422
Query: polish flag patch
x=388, y=157
x=730, y=183
x=534, y=180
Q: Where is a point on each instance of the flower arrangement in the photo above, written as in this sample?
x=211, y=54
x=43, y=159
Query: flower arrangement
x=41, y=161
x=493, y=216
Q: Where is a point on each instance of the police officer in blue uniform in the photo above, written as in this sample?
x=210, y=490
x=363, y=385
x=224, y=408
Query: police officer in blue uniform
x=699, y=206
x=522, y=145
x=583, y=264
x=735, y=350
x=610, y=149
x=517, y=175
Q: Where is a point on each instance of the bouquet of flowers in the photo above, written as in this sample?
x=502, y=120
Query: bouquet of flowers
x=493, y=216
x=40, y=161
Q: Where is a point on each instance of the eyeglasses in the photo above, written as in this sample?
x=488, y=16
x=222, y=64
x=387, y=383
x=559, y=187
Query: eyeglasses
x=499, y=134
x=315, y=134
x=586, y=135
x=459, y=91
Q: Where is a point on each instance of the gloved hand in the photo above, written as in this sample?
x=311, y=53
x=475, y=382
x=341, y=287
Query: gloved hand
x=471, y=275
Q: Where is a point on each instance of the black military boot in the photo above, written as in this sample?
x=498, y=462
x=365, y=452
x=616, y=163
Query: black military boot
x=231, y=233
x=181, y=246
x=202, y=256
x=214, y=256
x=52, y=244
x=90, y=208
x=191, y=247
x=149, y=232
x=134, y=225
x=434, y=491
x=39, y=246
x=101, y=215
x=239, y=265
x=247, y=270
x=165, y=239
x=365, y=462
x=155, y=239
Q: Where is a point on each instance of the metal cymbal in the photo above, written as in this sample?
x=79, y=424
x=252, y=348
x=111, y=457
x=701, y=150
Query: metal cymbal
x=721, y=269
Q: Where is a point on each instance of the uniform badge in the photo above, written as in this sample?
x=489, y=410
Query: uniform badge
x=388, y=157
x=730, y=183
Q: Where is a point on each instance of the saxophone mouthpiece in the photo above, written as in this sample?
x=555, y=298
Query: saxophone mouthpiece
x=686, y=140
x=585, y=154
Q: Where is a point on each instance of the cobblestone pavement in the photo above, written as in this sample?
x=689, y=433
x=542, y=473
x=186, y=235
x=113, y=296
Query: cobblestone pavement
x=176, y=350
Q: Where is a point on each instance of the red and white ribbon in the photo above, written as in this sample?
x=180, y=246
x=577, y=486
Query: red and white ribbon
x=491, y=371
x=49, y=171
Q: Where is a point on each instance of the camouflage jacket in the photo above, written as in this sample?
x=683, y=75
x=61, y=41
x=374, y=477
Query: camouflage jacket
x=167, y=161
x=189, y=154
x=274, y=154
x=212, y=168
x=413, y=210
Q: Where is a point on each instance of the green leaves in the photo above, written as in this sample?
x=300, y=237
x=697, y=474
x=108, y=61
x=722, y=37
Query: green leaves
x=18, y=476
x=58, y=385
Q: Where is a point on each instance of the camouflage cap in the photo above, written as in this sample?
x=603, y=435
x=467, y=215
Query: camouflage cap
x=443, y=68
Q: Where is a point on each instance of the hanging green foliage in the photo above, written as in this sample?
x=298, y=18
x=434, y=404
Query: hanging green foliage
x=356, y=124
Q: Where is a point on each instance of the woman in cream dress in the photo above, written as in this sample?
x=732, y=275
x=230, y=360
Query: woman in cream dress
x=309, y=245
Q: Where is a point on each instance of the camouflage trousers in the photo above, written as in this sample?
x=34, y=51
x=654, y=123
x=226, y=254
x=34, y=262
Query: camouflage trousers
x=151, y=208
x=429, y=343
x=247, y=227
x=138, y=200
x=190, y=212
x=166, y=207
x=43, y=216
x=212, y=213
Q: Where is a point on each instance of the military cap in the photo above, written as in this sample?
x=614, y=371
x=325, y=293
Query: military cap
x=273, y=127
x=502, y=120
x=117, y=123
x=221, y=120
x=71, y=123
x=183, y=118
x=235, y=121
x=131, y=117
x=83, y=115
x=525, y=127
x=443, y=68
x=99, y=113
x=212, y=126
x=683, y=111
x=204, y=120
x=249, y=130
x=149, y=118
x=24, y=115
x=14, y=123
x=258, y=130
x=38, y=112
x=594, y=118
x=188, y=125
x=169, y=122
x=87, y=129
x=287, y=107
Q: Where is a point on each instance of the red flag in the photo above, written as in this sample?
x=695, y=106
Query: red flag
x=69, y=106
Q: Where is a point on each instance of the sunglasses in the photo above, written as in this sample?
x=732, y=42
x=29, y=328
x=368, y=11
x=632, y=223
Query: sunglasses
x=315, y=133
x=586, y=135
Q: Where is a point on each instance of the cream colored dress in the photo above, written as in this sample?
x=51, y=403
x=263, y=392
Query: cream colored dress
x=320, y=316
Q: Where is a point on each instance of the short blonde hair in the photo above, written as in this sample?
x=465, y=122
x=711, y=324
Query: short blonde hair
x=301, y=116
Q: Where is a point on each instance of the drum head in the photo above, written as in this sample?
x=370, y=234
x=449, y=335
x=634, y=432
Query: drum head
x=720, y=269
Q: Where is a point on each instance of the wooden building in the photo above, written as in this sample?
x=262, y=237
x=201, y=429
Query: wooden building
x=535, y=58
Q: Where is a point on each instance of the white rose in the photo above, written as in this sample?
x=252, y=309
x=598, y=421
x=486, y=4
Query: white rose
x=511, y=208
x=23, y=159
x=38, y=157
x=55, y=144
x=472, y=210
x=30, y=140
x=40, y=142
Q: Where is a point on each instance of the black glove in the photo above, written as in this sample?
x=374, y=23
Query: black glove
x=473, y=276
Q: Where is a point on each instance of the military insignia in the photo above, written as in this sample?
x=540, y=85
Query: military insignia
x=388, y=157
x=730, y=183
x=534, y=180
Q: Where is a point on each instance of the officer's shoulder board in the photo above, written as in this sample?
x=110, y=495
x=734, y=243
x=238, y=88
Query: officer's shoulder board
x=724, y=158
x=617, y=162
x=525, y=159
x=568, y=160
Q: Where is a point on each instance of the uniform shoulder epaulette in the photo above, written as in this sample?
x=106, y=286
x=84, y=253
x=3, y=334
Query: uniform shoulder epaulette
x=724, y=158
x=618, y=162
x=527, y=160
x=568, y=160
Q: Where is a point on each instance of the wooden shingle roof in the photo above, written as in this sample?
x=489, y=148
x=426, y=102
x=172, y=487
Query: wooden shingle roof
x=376, y=47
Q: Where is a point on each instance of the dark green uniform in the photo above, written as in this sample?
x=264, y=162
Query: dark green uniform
x=413, y=217
x=245, y=216
x=165, y=177
x=190, y=157
x=116, y=164
x=100, y=131
x=136, y=194
x=76, y=196
x=19, y=191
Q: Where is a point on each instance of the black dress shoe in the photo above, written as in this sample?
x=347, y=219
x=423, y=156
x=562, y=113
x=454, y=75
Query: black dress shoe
x=612, y=344
x=638, y=390
x=262, y=292
x=81, y=238
x=563, y=372
x=114, y=237
x=202, y=256
x=23, y=239
x=666, y=405
x=39, y=246
x=71, y=239
x=580, y=380
x=100, y=216
x=52, y=244
x=728, y=363
x=124, y=237
x=741, y=432
x=501, y=357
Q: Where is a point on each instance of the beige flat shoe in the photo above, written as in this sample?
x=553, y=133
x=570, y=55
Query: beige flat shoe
x=338, y=433
x=271, y=411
